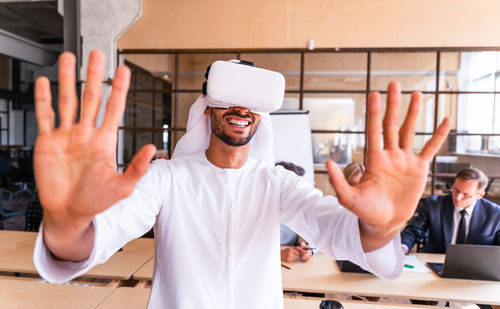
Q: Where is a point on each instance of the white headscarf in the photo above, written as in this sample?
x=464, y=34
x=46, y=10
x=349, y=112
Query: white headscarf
x=198, y=131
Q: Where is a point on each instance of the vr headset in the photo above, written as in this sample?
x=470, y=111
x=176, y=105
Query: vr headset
x=239, y=84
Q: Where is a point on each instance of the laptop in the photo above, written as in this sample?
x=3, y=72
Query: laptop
x=475, y=262
x=350, y=267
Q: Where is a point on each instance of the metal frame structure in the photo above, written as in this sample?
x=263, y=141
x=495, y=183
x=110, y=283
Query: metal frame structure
x=174, y=128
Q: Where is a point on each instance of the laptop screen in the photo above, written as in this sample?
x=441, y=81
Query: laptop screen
x=472, y=262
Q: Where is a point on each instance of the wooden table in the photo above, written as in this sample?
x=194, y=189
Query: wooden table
x=16, y=251
x=127, y=297
x=16, y=255
x=145, y=272
x=321, y=275
x=298, y=303
x=123, y=264
x=17, y=293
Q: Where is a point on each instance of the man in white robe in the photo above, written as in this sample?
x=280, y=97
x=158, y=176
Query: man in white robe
x=215, y=208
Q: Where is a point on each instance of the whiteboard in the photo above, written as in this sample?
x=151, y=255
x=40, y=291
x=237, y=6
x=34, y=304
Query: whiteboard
x=292, y=139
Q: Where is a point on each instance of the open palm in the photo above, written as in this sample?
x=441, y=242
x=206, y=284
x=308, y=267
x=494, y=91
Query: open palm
x=395, y=177
x=75, y=168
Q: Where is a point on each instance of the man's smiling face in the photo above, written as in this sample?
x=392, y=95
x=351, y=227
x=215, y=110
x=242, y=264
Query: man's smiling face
x=234, y=126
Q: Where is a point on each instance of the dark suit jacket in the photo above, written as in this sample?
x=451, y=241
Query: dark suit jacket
x=435, y=217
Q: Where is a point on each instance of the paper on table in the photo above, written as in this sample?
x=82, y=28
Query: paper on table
x=412, y=263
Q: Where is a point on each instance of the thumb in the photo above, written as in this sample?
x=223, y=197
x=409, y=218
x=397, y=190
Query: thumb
x=342, y=188
x=139, y=165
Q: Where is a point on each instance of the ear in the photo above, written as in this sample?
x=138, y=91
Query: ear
x=480, y=195
x=207, y=110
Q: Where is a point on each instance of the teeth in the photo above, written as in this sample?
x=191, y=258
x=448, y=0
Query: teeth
x=238, y=123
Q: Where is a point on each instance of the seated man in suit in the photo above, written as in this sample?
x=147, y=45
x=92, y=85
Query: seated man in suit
x=462, y=217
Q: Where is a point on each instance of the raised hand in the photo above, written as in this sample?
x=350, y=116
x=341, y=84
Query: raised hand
x=395, y=177
x=75, y=168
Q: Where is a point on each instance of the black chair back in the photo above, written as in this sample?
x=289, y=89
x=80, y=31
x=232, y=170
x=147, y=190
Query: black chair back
x=5, y=162
x=34, y=215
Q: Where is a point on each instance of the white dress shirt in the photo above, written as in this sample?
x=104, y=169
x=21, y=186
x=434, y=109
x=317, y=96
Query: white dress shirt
x=217, y=233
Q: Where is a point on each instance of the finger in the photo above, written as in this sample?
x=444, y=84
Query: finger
x=306, y=256
x=305, y=246
x=342, y=188
x=373, y=127
x=43, y=106
x=67, y=89
x=304, y=251
x=116, y=103
x=137, y=167
x=92, y=95
x=407, y=131
x=391, y=116
x=437, y=139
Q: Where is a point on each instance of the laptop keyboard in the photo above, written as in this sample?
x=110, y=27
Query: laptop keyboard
x=437, y=267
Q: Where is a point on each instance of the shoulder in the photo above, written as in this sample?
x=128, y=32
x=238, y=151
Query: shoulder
x=439, y=199
x=162, y=168
x=490, y=206
x=291, y=180
x=265, y=170
x=435, y=203
x=157, y=170
x=282, y=172
x=191, y=160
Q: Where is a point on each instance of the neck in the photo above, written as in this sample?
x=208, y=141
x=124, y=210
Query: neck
x=224, y=156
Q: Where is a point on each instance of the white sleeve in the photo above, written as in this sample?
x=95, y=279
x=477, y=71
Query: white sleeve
x=128, y=219
x=333, y=229
x=387, y=261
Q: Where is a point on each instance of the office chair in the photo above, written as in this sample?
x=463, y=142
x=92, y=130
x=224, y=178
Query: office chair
x=25, y=175
x=422, y=241
x=488, y=186
x=34, y=215
x=6, y=214
x=5, y=163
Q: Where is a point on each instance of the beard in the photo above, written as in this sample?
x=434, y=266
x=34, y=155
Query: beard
x=220, y=133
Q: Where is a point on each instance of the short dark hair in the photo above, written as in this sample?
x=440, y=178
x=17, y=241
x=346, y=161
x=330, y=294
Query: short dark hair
x=473, y=174
x=299, y=170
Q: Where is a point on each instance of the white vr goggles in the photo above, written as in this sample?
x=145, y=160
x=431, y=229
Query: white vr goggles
x=234, y=84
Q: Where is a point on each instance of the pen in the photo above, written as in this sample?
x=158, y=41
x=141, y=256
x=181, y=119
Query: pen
x=283, y=265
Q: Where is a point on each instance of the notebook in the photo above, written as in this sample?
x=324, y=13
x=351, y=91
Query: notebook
x=475, y=262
